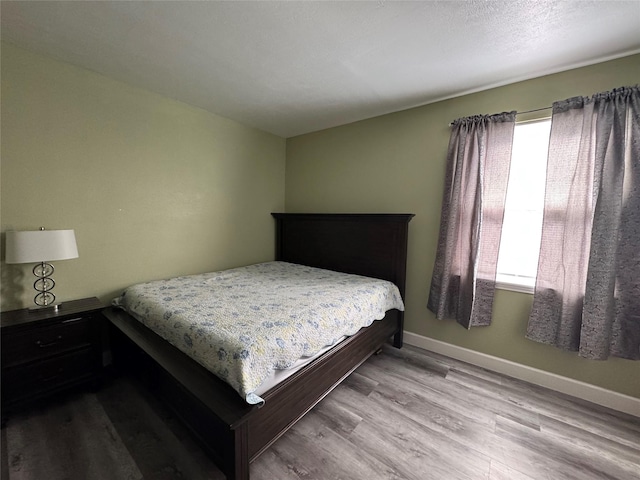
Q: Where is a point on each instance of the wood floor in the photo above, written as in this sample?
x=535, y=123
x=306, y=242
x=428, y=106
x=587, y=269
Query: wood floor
x=404, y=414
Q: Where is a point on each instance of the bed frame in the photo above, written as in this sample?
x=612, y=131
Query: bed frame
x=233, y=432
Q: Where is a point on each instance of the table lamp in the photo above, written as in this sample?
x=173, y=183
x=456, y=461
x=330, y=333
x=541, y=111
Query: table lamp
x=41, y=246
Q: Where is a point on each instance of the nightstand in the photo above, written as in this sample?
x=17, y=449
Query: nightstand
x=46, y=351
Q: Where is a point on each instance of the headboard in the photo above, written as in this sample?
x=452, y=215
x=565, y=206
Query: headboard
x=374, y=245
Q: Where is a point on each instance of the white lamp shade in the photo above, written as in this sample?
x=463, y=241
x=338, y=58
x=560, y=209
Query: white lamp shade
x=40, y=246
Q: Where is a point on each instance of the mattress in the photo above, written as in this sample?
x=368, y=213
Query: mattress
x=246, y=323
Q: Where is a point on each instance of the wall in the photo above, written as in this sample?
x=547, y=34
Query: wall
x=153, y=187
x=396, y=163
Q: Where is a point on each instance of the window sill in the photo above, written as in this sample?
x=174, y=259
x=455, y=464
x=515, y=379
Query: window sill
x=515, y=287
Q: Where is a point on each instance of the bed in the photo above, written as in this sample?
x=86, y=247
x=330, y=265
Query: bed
x=233, y=431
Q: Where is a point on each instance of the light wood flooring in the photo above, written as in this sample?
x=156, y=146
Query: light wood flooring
x=404, y=414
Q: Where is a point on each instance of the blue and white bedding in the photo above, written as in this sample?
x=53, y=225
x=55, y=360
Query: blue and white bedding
x=242, y=324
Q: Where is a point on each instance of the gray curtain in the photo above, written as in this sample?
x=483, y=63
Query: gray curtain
x=587, y=295
x=478, y=158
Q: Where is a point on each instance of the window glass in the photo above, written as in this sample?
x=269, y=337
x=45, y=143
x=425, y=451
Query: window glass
x=522, y=226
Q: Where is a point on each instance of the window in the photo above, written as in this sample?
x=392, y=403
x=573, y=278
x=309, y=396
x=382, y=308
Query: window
x=522, y=225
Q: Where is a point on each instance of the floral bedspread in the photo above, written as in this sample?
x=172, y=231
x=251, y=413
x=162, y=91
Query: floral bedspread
x=243, y=323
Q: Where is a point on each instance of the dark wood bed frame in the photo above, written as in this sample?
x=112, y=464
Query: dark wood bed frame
x=233, y=432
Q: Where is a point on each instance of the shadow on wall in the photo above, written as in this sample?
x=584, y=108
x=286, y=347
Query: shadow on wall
x=11, y=283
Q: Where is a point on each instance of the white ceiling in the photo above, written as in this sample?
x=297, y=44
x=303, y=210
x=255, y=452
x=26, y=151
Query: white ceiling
x=298, y=66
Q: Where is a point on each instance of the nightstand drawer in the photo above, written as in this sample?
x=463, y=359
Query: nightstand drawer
x=34, y=344
x=24, y=381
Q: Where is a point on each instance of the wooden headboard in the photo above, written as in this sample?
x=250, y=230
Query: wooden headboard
x=374, y=245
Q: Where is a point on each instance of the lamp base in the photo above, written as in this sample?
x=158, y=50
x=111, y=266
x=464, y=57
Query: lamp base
x=54, y=307
x=43, y=285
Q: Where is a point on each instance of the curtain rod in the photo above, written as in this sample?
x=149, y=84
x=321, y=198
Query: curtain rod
x=526, y=111
x=535, y=110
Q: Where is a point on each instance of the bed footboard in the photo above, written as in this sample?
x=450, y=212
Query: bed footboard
x=231, y=431
x=209, y=407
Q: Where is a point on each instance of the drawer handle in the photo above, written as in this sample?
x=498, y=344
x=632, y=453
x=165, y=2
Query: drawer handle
x=72, y=320
x=49, y=344
x=51, y=377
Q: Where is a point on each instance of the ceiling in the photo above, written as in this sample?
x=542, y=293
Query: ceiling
x=299, y=66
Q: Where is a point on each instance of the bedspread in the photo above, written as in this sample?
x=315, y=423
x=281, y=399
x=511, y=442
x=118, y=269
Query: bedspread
x=243, y=323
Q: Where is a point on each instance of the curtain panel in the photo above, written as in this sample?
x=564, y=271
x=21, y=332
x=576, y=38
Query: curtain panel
x=587, y=294
x=477, y=173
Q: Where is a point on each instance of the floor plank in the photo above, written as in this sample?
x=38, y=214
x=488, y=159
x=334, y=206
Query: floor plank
x=405, y=414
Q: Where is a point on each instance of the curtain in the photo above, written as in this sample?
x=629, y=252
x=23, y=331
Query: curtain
x=587, y=294
x=478, y=158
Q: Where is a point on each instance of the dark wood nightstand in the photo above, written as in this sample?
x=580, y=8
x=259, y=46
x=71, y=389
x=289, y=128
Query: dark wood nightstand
x=46, y=351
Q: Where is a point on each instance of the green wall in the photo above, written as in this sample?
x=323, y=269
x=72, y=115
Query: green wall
x=153, y=187
x=396, y=163
x=156, y=188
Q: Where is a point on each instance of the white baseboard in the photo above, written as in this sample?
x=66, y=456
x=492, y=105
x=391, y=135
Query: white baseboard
x=607, y=398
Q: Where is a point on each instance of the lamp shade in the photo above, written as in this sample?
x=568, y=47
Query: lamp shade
x=40, y=246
